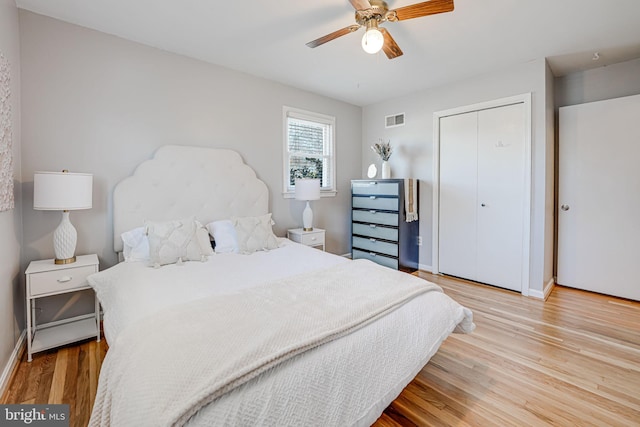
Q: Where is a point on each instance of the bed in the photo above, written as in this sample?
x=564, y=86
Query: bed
x=263, y=331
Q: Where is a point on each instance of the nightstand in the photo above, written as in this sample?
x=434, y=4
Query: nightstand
x=313, y=238
x=44, y=279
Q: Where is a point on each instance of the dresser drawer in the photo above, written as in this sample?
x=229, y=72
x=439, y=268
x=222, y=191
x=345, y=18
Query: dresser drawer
x=375, y=202
x=375, y=245
x=375, y=188
x=60, y=280
x=375, y=217
x=373, y=230
x=380, y=259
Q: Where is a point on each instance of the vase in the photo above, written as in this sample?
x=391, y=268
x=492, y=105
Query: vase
x=386, y=170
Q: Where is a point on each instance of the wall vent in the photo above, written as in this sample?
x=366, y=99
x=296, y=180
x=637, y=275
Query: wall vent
x=394, y=120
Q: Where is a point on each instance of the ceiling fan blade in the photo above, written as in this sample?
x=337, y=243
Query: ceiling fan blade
x=334, y=35
x=423, y=9
x=390, y=47
x=360, y=4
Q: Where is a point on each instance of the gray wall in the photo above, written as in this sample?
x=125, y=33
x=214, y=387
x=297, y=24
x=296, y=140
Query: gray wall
x=612, y=81
x=100, y=104
x=413, y=143
x=11, y=280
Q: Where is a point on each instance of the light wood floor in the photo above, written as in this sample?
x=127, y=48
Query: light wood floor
x=573, y=360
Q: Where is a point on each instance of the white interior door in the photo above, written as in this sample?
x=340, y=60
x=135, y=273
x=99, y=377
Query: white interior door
x=599, y=197
x=501, y=154
x=458, y=195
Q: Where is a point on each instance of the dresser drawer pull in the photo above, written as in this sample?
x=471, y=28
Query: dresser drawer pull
x=373, y=183
x=372, y=211
x=372, y=253
x=65, y=279
x=372, y=197
x=372, y=239
x=372, y=225
x=314, y=238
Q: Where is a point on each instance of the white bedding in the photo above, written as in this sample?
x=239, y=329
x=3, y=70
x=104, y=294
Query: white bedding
x=148, y=290
x=348, y=381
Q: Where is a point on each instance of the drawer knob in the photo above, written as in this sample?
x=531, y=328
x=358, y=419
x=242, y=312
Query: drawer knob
x=372, y=211
x=373, y=240
x=313, y=238
x=65, y=279
x=372, y=225
x=372, y=253
x=372, y=197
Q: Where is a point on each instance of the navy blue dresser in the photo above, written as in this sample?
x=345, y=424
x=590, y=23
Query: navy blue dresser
x=379, y=231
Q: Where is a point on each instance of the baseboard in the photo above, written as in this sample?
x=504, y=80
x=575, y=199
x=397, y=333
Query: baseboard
x=543, y=294
x=424, y=267
x=549, y=287
x=14, y=359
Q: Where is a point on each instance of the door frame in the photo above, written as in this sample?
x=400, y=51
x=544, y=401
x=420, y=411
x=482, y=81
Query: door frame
x=524, y=99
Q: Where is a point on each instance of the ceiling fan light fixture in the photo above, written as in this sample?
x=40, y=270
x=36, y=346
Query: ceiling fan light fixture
x=373, y=39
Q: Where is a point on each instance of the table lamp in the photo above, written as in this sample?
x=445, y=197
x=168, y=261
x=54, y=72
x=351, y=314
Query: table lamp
x=307, y=189
x=63, y=191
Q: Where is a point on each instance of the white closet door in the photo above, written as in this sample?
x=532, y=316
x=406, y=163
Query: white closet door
x=599, y=197
x=458, y=195
x=501, y=154
x=481, y=204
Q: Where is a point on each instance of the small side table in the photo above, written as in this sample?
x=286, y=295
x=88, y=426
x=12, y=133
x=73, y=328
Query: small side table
x=314, y=238
x=44, y=279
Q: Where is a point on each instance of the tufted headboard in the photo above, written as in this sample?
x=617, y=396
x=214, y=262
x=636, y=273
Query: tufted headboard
x=182, y=181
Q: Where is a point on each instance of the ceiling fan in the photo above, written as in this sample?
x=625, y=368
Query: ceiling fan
x=371, y=13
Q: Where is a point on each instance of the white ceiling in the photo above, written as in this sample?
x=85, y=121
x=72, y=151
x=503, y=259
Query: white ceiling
x=267, y=39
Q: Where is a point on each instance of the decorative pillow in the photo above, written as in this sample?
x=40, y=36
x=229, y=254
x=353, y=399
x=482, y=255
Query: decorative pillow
x=203, y=239
x=224, y=236
x=135, y=245
x=174, y=242
x=255, y=233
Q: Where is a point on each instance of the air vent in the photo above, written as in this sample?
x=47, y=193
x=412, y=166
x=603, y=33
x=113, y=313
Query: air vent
x=394, y=120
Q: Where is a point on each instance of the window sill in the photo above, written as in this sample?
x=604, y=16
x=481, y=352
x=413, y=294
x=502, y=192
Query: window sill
x=323, y=194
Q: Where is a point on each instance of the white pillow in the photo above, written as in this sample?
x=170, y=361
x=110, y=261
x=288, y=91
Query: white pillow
x=135, y=245
x=224, y=234
x=203, y=239
x=175, y=241
x=255, y=233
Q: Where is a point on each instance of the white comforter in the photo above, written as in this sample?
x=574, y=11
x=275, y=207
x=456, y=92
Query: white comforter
x=348, y=381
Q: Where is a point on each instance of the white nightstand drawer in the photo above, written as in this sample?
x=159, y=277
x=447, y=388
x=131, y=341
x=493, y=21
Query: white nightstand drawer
x=60, y=280
x=312, y=239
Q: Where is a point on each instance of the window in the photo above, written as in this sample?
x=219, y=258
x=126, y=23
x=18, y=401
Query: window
x=308, y=149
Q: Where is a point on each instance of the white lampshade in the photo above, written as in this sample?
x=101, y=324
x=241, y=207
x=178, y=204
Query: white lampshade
x=63, y=191
x=307, y=189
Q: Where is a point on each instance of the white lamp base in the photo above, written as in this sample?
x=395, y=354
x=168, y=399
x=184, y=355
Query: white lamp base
x=64, y=241
x=307, y=218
